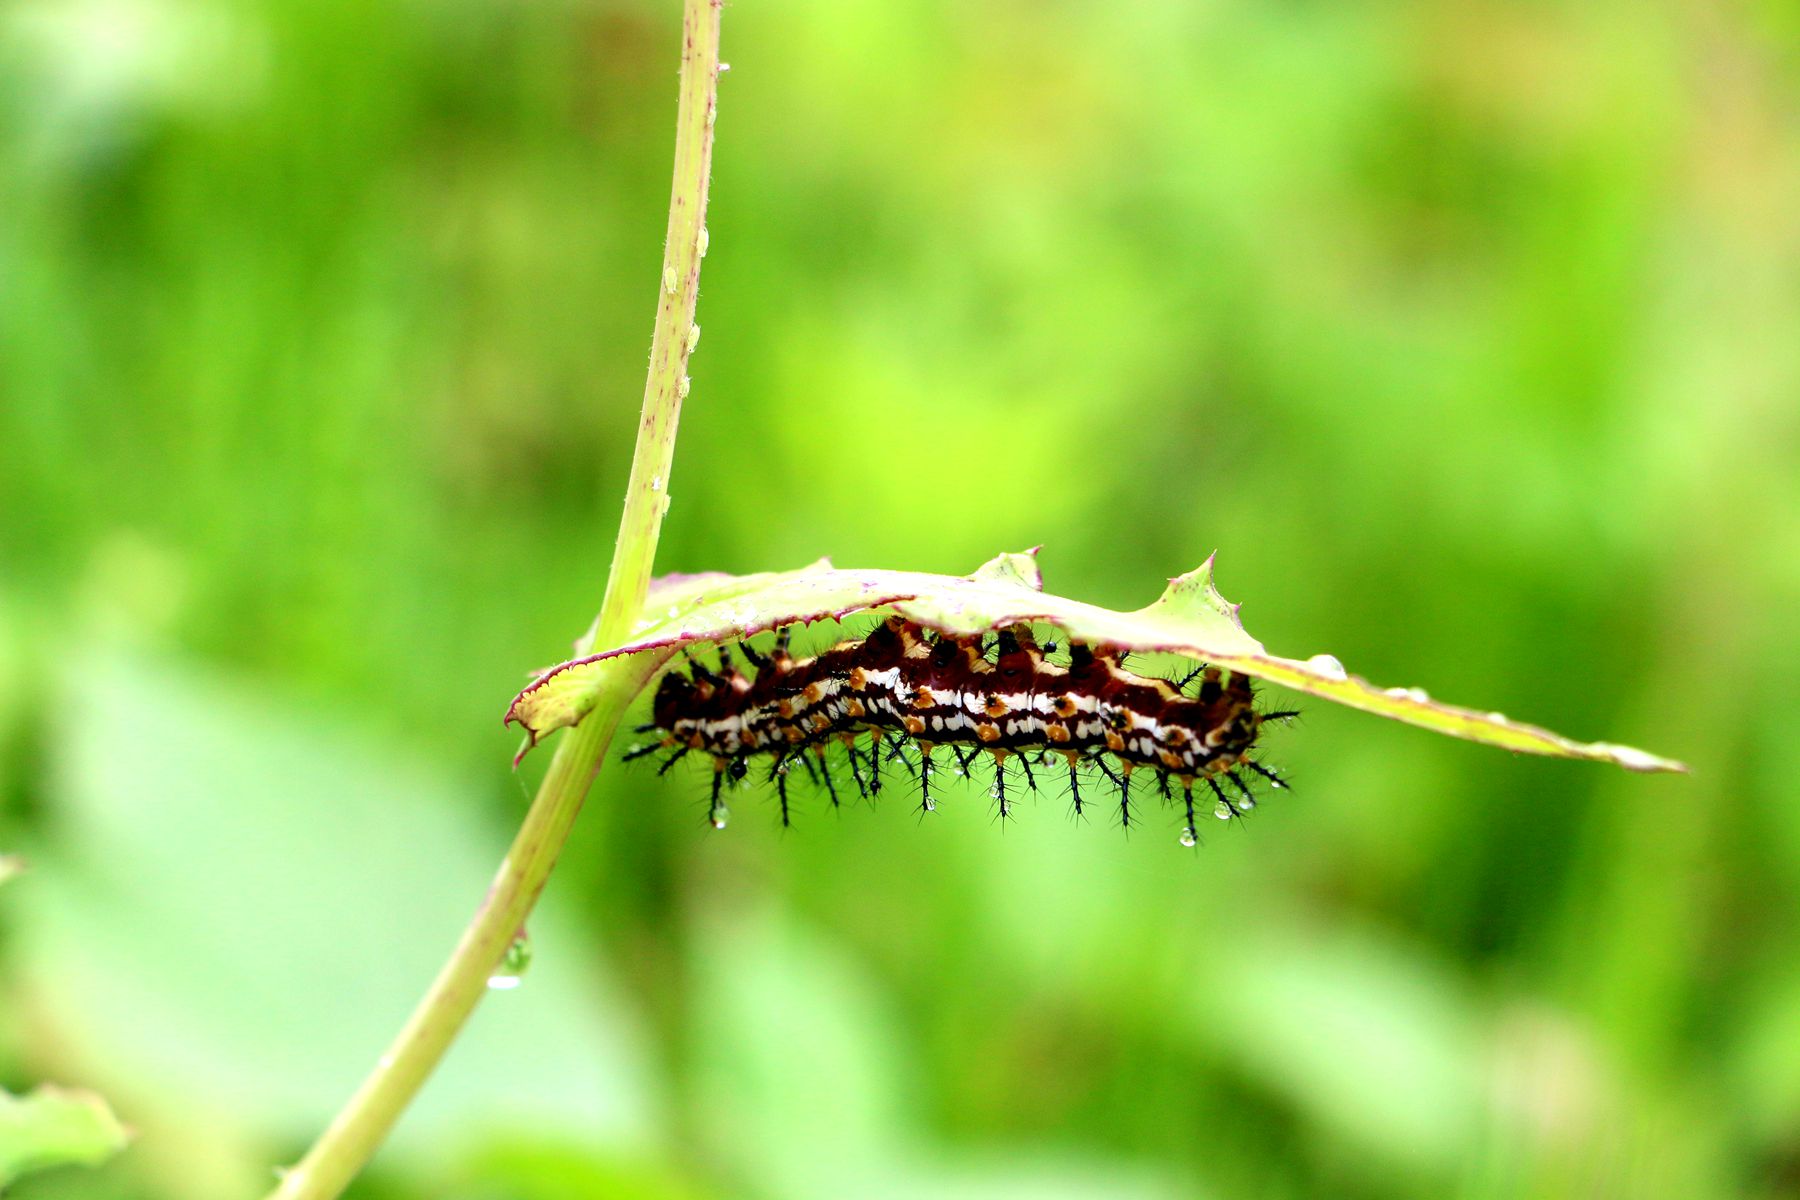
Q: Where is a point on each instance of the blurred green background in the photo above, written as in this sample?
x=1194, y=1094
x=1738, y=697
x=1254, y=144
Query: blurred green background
x=1467, y=332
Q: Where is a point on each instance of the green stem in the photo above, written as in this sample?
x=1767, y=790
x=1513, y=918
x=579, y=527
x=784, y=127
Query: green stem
x=362, y=1124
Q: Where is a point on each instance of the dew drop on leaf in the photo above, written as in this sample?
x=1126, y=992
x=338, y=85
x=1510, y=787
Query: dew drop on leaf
x=1187, y=837
x=1327, y=666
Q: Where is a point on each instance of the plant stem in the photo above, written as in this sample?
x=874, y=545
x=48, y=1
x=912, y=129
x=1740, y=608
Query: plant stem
x=361, y=1125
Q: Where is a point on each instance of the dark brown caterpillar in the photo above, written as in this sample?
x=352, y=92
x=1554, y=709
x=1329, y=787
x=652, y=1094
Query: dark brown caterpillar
x=905, y=686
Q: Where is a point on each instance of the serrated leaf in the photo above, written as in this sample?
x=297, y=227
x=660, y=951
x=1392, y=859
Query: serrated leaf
x=1190, y=618
x=54, y=1127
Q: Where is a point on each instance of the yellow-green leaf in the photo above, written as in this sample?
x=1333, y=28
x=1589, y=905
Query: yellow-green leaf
x=1190, y=618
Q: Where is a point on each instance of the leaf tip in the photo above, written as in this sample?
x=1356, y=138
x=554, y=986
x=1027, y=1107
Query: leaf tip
x=1014, y=569
x=1195, y=592
x=1642, y=761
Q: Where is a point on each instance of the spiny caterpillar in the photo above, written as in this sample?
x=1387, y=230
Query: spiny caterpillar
x=907, y=688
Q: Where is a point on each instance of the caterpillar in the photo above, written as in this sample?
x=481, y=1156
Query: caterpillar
x=904, y=688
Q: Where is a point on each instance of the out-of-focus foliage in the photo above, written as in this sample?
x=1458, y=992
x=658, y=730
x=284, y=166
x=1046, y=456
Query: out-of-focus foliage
x=51, y=1128
x=322, y=331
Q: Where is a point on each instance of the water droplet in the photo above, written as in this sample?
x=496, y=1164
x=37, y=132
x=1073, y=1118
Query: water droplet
x=1633, y=759
x=930, y=804
x=513, y=964
x=1187, y=837
x=781, y=768
x=669, y=280
x=720, y=815
x=1222, y=811
x=1328, y=666
x=705, y=240
x=993, y=793
x=656, y=483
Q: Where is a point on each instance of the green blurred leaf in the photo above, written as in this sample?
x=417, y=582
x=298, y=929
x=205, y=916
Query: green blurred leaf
x=10, y=865
x=807, y=1084
x=1332, y=1017
x=54, y=1127
x=794, y=1043
x=242, y=903
x=1190, y=618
